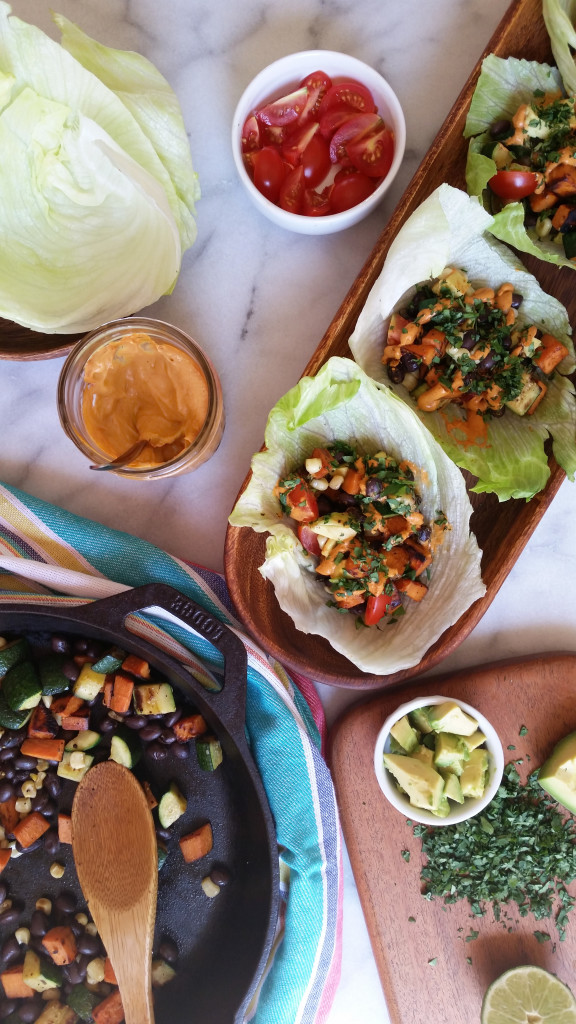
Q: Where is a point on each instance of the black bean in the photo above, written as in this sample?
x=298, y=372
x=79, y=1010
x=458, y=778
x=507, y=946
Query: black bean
x=486, y=364
x=29, y=1010
x=7, y=1006
x=80, y=646
x=424, y=533
x=6, y=790
x=53, y=785
x=16, y=737
x=167, y=737
x=9, y=917
x=220, y=875
x=74, y=974
x=3, y=892
x=108, y=724
x=163, y=833
x=6, y=753
x=88, y=944
x=501, y=129
x=60, y=645
x=135, y=721
x=396, y=373
x=172, y=717
x=156, y=751
x=517, y=300
x=93, y=649
x=10, y=951
x=151, y=731
x=469, y=339
x=33, y=846
x=168, y=951
x=24, y=763
x=373, y=487
x=77, y=928
x=40, y=800
x=179, y=750
x=39, y=924
x=410, y=362
x=51, y=842
x=71, y=670
x=65, y=903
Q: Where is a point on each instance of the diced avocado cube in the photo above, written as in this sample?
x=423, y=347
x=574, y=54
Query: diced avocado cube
x=451, y=752
x=475, y=740
x=452, y=787
x=558, y=773
x=443, y=809
x=474, y=776
x=419, y=719
x=425, y=754
x=404, y=734
x=449, y=717
x=421, y=783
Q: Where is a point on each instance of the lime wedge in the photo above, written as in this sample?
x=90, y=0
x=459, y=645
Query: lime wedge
x=528, y=995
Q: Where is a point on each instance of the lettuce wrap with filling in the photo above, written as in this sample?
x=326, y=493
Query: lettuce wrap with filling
x=503, y=85
x=341, y=403
x=451, y=228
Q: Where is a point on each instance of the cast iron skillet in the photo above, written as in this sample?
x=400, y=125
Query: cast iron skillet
x=223, y=943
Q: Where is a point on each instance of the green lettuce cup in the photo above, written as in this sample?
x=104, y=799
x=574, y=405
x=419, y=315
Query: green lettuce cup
x=560, y=20
x=503, y=85
x=452, y=229
x=342, y=403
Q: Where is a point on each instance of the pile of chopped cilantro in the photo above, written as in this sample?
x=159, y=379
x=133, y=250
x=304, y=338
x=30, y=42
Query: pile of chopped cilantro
x=520, y=849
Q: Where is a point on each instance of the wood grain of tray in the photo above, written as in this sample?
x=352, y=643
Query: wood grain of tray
x=502, y=528
x=406, y=930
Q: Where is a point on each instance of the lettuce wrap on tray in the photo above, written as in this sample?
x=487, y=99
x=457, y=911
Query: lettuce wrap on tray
x=451, y=229
x=523, y=141
x=341, y=404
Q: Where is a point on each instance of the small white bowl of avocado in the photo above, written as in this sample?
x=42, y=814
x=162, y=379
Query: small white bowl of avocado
x=438, y=760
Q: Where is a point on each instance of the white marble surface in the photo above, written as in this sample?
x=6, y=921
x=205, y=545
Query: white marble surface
x=237, y=293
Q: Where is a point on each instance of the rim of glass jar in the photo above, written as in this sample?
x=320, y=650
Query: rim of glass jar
x=211, y=430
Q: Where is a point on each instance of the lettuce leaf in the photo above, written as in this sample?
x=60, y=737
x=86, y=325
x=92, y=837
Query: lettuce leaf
x=560, y=18
x=342, y=403
x=97, y=188
x=451, y=228
x=502, y=86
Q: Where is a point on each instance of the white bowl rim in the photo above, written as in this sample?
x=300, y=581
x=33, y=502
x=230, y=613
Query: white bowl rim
x=461, y=812
x=258, y=84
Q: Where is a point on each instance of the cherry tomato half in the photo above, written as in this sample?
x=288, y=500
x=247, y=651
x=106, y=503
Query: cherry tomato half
x=302, y=503
x=269, y=172
x=317, y=84
x=309, y=540
x=284, y=110
x=513, y=185
x=349, y=190
x=294, y=146
x=316, y=204
x=349, y=95
x=378, y=607
x=373, y=153
x=251, y=139
x=316, y=161
x=354, y=128
x=292, y=191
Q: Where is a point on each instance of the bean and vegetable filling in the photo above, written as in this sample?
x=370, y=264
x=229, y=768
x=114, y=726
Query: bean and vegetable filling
x=458, y=344
x=65, y=704
x=535, y=154
x=359, y=516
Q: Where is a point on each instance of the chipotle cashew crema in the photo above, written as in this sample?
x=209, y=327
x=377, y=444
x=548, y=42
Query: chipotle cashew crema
x=139, y=388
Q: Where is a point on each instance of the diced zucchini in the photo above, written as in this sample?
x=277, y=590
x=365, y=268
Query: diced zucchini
x=21, y=686
x=52, y=676
x=171, y=807
x=126, y=747
x=84, y=740
x=13, y=653
x=10, y=719
x=154, y=699
x=82, y=1001
x=209, y=752
x=569, y=242
x=57, y=1013
x=162, y=853
x=529, y=394
x=89, y=683
x=161, y=973
x=40, y=974
x=74, y=773
x=109, y=662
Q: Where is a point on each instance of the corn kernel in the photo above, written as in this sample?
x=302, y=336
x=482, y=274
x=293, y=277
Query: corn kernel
x=42, y=765
x=47, y=699
x=91, y=928
x=77, y=759
x=28, y=789
x=57, y=870
x=22, y=936
x=320, y=485
x=95, y=971
x=23, y=805
x=81, y=918
x=313, y=465
x=44, y=904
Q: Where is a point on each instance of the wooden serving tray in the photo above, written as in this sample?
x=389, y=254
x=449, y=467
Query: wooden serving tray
x=502, y=529
x=450, y=991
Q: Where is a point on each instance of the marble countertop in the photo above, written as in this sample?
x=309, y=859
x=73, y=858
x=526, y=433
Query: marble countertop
x=237, y=293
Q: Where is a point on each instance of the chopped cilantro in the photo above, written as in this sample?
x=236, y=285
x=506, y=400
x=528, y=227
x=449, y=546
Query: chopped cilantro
x=405, y=855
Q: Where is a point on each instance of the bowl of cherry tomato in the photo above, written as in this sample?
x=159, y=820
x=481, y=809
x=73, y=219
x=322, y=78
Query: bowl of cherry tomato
x=317, y=138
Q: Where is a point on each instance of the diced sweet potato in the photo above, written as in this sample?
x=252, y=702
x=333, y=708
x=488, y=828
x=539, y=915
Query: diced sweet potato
x=76, y=723
x=137, y=666
x=30, y=828
x=9, y=816
x=42, y=725
x=197, y=844
x=60, y=944
x=150, y=798
x=189, y=727
x=65, y=828
x=110, y=1010
x=67, y=704
x=109, y=975
x=118, y=693
x=4, y=858
x=47, y=750
x=13, y=983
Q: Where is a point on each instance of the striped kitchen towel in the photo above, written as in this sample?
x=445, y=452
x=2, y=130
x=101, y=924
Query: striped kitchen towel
x=50, y=556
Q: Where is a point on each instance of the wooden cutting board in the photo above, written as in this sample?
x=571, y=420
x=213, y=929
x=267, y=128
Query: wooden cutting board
x=538, y=693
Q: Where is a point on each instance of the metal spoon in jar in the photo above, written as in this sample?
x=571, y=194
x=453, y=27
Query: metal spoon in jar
x=114, y=845
x=124, y=459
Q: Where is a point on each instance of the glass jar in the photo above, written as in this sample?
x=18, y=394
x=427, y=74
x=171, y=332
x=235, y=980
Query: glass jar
x=109, y=349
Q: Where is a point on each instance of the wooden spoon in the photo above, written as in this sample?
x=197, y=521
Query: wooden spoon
x=114, y=844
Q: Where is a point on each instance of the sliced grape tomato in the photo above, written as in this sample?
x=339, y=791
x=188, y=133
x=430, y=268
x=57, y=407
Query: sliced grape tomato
x=294, y=146
x=316, y=161
x=354, y=128
x=317, y=85
x=269, y=172
x=373, y=152
x=316, y=204
x=292, y=191
x=309, y=540
x=285, y=110
x=349, y=189
x=348, y=95
x=251, y=139
x=513, y=185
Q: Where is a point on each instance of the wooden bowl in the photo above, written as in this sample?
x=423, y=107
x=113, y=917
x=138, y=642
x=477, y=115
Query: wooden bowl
x=502, y=528
x=20, y=343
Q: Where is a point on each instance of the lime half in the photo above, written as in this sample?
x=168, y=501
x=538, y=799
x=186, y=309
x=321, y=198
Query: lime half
x=528, y=995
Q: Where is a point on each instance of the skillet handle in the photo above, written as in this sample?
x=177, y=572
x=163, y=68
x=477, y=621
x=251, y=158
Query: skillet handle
x=230, y=702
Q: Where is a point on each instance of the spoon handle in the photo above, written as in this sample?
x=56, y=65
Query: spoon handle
x=131, y=957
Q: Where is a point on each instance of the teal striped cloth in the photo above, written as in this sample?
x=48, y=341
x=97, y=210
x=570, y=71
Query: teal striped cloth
x=49, y=556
